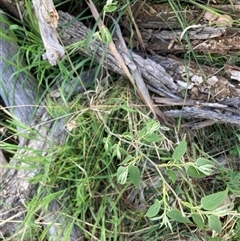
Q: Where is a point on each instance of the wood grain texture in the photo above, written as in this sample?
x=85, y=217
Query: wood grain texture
x=168, y=77
x=205, y=93
x=38, y=134
x=47, y=17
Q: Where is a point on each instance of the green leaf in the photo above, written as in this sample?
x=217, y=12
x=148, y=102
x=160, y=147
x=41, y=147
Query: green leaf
x=154, y=209
x=212, y=201
x=118, y=152
x=176, y=215
x=128, y=135
x=115, y=149
x=15, y=27
x=121, y=170
x=152, y=138
x=107, y=143
x=124, y=107
x=172, y=175
x=142, y=133
x=180, y=150
x=205, y=166
x=110, y=6
x=214, y=223
x=153, y=126
x=127, y=159
x=110, y=9
x=198, y=220
x=134, y=174
x=122, y=173
x=202, y=161
x=235, y=151
x=193, y=172
x=105, y=35
x=206, y=169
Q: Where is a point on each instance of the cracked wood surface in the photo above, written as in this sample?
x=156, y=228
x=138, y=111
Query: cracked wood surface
x=215, y=97
x=47, y=17
x=168, y=76
x=37, y=136
x=161, y=30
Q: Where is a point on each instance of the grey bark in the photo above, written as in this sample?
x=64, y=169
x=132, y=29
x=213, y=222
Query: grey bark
x=166, y=77
x=169, y=77
x=47, y=17
x=16, y=89
x=39, y=132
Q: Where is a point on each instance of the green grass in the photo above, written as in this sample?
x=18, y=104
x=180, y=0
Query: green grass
x=123, y=176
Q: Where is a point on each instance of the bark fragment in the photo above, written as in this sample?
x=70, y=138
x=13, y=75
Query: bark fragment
x=47, y=17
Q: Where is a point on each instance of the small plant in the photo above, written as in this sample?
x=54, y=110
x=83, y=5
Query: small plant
x=173, y=205
x=121, y=174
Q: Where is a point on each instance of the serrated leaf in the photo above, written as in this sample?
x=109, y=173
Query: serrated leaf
x=134, y=175
x=198, y=220
x=193, y=172
x=154, y=209
x=180, y=150
x=212, y=201
x=122, y=173
x=176, y=215
x=172, y=175
x=152, y=138
x=214, y=223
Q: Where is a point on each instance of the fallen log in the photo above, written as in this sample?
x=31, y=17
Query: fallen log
x=209, y=94
x=38, y=133
x=162, y=32
x=168, y=77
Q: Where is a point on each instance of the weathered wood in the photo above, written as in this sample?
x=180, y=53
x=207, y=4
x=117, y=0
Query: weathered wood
x=47, y=17
x=17, y=89
x=19, y=92
x=162, y=32
x=166, y=76
x=214, y=96
x=195, y=113
x=3, y=162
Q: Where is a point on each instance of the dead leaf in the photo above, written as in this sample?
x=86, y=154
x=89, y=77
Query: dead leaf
x=71, y=125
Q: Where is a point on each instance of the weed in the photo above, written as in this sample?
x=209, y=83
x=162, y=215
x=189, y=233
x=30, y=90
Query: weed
x=122, y=175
